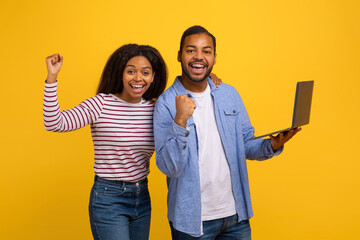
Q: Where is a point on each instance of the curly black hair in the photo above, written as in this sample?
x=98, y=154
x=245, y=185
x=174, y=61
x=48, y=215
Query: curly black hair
x=111, y=80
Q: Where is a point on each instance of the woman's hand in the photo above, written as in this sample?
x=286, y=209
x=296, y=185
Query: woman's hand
x=217, y=81
x=53, y=64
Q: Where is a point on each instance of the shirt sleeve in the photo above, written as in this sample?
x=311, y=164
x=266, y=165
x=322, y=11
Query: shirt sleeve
x=171, y=142
x=72, y=119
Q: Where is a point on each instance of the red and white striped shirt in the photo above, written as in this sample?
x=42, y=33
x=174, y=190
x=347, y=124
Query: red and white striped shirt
x=122, y=132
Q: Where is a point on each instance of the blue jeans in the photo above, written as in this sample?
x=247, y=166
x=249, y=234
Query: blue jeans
x=119, y=210
x=219, y=229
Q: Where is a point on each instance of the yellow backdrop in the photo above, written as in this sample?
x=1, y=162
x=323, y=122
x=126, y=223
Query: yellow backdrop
x=264, y=48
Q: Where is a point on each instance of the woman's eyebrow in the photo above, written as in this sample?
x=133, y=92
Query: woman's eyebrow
x=135, y=66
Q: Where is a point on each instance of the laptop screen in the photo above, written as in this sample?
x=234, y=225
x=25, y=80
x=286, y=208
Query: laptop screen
x=303, y=97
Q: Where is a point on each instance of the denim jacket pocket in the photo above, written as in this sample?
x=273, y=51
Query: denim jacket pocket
x=231, y=114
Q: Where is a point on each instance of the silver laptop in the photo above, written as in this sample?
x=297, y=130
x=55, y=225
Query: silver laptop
x=302, y=106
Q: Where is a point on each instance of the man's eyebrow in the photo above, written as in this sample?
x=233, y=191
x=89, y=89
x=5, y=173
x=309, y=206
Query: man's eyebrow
x=129, y=65
x=193, y=46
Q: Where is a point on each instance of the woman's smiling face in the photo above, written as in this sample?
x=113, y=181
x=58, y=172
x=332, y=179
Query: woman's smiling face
x=137, y=77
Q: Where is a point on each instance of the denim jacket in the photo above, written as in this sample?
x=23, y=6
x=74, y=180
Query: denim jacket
x=177, y=154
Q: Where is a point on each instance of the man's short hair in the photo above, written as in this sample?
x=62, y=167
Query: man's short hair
x=196, y=30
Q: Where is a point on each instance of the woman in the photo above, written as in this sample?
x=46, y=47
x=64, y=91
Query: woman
x=120, y=116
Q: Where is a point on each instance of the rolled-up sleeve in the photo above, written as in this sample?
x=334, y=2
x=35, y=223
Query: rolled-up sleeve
x=171, y=142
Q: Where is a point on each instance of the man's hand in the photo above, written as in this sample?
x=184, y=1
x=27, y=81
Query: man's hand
x=53, y=64
x=278, y=141
x=185, y=107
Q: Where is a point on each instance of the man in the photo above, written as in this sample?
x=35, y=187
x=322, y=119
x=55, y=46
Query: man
x=202, y=142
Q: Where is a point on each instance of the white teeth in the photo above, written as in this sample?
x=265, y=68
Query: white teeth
x=198, y=65
x=137, y=86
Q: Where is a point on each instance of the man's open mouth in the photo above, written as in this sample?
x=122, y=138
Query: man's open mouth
x=197, y=67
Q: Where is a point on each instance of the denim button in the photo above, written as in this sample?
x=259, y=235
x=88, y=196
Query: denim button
x=186, y=134
x=184, y=147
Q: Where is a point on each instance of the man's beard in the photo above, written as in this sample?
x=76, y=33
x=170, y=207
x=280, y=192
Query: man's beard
x=188, y=75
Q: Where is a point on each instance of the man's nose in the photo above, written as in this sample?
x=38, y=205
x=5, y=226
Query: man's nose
x=199, y=55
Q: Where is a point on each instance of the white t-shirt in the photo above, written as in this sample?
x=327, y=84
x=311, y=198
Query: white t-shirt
x=217, y=200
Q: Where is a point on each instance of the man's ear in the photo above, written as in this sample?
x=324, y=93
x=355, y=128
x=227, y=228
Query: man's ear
x=179, y=56
x=215, y=59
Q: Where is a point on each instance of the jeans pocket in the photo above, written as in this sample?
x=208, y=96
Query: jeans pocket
x=107, y=202
x=110, y=190
x=106, y=196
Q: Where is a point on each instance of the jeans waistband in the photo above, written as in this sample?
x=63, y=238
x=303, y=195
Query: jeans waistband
x=120, y=183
